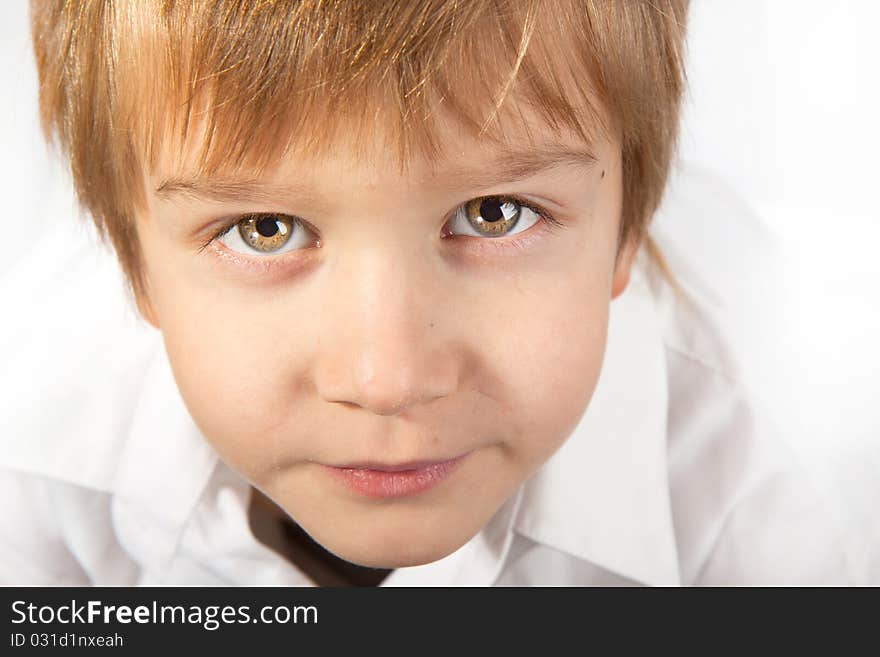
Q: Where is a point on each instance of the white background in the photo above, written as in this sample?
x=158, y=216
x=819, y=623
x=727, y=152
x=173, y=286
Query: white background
x=783, y=104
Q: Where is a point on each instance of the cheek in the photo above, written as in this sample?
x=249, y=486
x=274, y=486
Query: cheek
x=238, y=395
x=233, y=358
x=555, y=356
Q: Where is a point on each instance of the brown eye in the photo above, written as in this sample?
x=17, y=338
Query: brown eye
x=266, y=232
x=492, y=216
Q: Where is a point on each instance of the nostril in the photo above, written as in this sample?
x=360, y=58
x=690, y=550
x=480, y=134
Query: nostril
x=384, y=378
x=378, y=403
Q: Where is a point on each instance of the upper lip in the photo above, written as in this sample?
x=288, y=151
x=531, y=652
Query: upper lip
x=395, y=467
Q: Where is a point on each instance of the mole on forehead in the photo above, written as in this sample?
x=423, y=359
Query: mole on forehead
x=503, y=167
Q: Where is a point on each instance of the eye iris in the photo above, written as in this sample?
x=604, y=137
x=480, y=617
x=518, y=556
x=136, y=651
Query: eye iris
x=492, y=216
x=265, y=233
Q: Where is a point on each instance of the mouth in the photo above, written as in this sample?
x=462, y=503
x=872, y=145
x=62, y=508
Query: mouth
x=381, y=480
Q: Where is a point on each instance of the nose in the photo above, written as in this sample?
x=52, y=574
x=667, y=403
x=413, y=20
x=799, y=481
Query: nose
x=385, y=345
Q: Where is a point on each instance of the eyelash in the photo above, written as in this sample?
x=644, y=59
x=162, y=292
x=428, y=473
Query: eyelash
x=501, y=245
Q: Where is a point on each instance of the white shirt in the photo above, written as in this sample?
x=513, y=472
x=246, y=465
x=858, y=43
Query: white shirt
x=674, y=475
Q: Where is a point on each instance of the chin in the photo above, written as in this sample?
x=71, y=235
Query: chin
x=392, y=561
x=392, y=550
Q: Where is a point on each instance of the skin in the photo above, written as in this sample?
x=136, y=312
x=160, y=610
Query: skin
x=386, y=339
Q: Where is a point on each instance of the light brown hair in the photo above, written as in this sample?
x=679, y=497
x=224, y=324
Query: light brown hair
x=120, y=80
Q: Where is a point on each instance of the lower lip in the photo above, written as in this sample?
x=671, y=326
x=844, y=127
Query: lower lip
x=402, y=483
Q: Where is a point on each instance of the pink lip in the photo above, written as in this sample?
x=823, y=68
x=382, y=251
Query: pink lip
x=385, y=481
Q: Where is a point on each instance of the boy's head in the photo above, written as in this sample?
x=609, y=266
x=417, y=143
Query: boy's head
x=429, y=208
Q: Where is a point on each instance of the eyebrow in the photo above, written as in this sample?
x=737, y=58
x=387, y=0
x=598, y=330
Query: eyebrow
x=507, y=165
x=222, y=190
x=512, y=165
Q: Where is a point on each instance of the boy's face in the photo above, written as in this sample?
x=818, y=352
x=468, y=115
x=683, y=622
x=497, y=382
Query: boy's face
x=385, y=331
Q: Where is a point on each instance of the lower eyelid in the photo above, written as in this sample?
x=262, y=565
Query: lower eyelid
x=262, y=265
x=518, y=243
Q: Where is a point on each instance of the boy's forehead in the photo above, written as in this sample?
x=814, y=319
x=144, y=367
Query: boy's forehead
x=522, y=145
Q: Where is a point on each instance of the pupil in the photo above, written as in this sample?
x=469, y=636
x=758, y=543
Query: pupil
x=267, y=227
x=491, y=210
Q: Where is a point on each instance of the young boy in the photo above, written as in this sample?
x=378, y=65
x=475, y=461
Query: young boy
x=398, y=257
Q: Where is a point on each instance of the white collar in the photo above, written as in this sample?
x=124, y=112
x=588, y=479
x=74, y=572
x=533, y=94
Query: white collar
x=163, y=470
